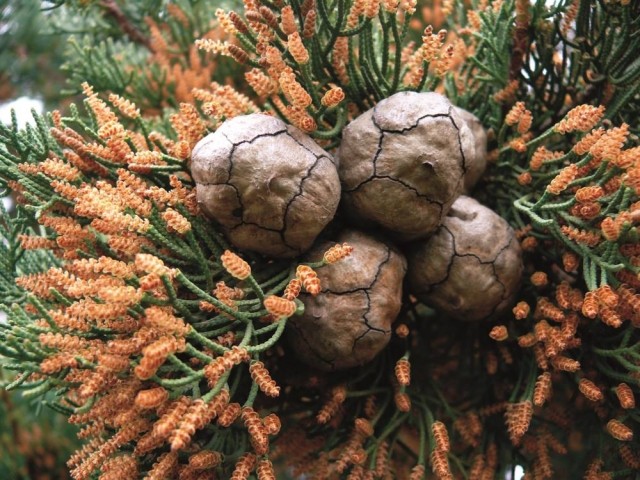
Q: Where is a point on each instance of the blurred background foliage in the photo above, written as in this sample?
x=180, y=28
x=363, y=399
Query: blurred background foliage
x=31, y=53
x=35, y=444
x=48, y=48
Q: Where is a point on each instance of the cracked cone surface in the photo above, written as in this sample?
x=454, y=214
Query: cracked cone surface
x=477, y=163
x=471, y=268
x=402, y=163
x=270, y=187
x=349, y=322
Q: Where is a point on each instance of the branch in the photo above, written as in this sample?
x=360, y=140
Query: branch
x=113, y=10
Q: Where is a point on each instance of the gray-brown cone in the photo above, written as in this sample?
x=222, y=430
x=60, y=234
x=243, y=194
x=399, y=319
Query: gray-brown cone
x=349, y=322
x=402, y=163
x=270, y=187
x=478, y=162
x=471, y=267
